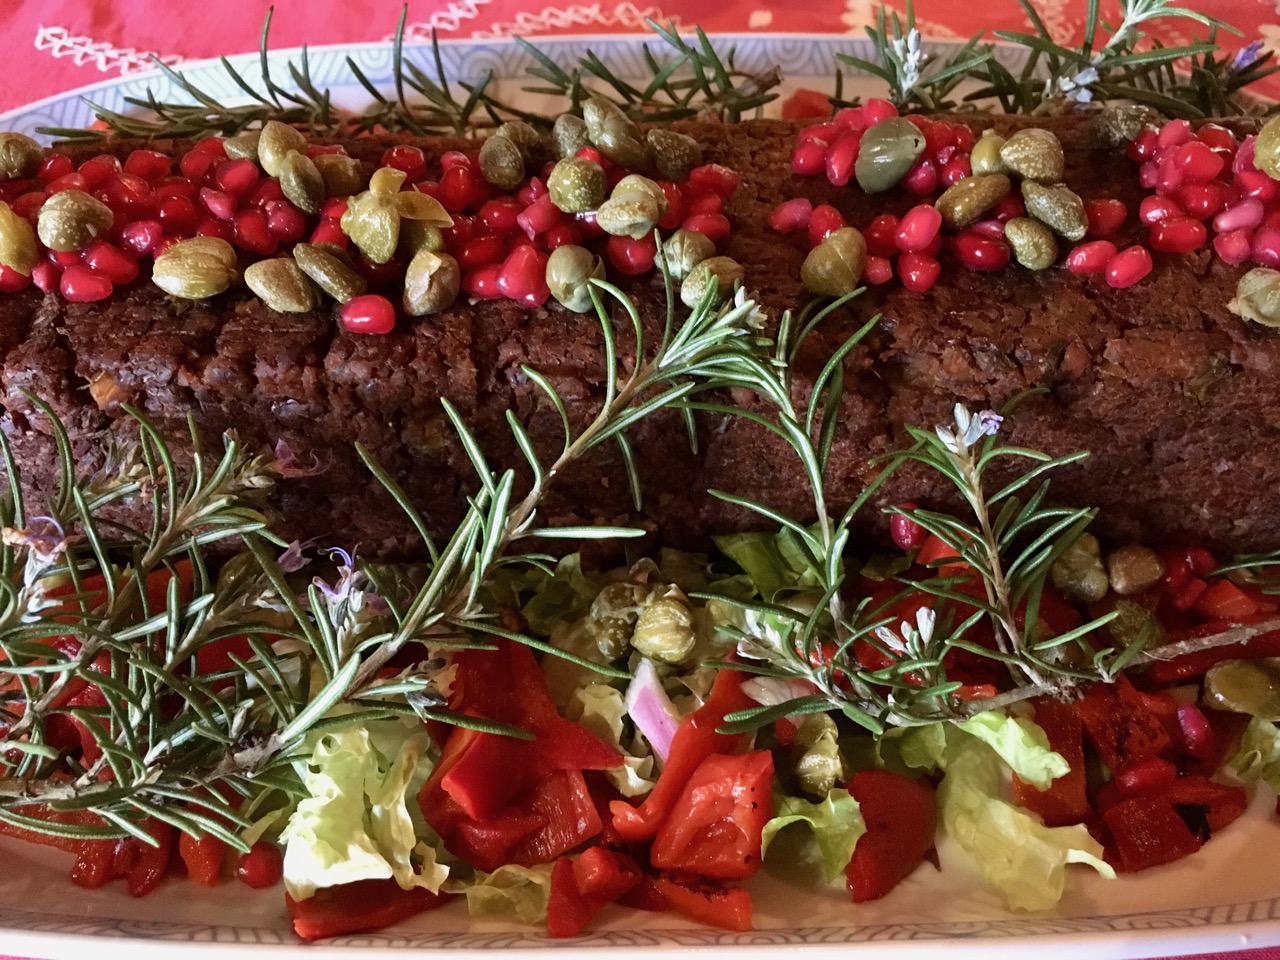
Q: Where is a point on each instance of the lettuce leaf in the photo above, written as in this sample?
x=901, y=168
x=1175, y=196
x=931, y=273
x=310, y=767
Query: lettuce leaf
x=1258, y=757
x=1019, y=743
x=773, y=561
x=835, y=823
x=601, y=709
x=510, y=891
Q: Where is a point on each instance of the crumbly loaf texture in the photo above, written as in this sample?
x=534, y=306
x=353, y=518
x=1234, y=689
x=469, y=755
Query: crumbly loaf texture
x=1174, y=397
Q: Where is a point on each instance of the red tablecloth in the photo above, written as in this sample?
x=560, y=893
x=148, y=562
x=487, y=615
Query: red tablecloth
x=57, y=45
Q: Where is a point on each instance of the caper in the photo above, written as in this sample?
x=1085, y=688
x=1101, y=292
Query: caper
x=243, y=146
x=1079, y=573
x=71, y=220
x=196, y=269
x=888, y=150
x=664, y=631
x=1058, y=206
x=1245, y=686
x=834, y=267
x=966, y=200
x=674, y=154
x=343, y=176
x=418, y=235
x=18, y=250
x=527, y=139
x=301, y=182
x=723, y=272
x=1034, y=154
x=501, y=163
x=1258, y=297
x=1120, y=123
x=20, y=156
x=634, y=208
x=569, y=270
x=332, y=275
x=1032, y=242
x=577, y=185
x=623, y=149
x=431, y=284
x=386, y=182
x=281, y=285
x=634, y=185
x=274, y=143
x=373, y=224
x=819, y=767
x=684, y=250
x=599, y=114
x=569, y=134
x=985, y=156
x=1133, y=569
x=1134, y=623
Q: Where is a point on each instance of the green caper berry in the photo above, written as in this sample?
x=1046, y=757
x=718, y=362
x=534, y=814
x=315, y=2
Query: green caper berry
x=301, y=182
x=18, y=250
x=633, y=186
x=724, y=272
x=1033, y=243
x=664, y=631
x=71, y=220
x=527, y=139
x=569, y=135
x=1258, y=297
x=281, y=285
x=600, y=115
x=196, y=269
x=834, y=267
x=1079, y=572
x=1133, y=569
x=373, y=224
x=417, y=236
x=1034, y=154
x=819, y=768
x=1245, y=686
x=333, y=276
x=612, y=635
x=887, y=151
x=985, y=156
x=1058, y=206
x=275, y=142
x=623, y=149
x=1134, y=623
x=20, y=156
x=684, y=250
x=343, y=176
x=1266, y=149
x=577, y=185
x=431, y=284
x=501, y=163
x=1118, y=124
x=631, y=212
x=570, y=269
x=965, y=201
x=674, y=154
x=243, y=146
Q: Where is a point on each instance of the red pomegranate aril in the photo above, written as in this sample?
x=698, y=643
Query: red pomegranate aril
x=1203, y=200
x=176, y=187
x=98, y=170
x=1106, y=216
x=675, y=214
x=1255, y=183
x=334, y=208
x=46, y=276
x=369, y=313
x=707, y=203
x=955, y=170
x=962, y=138
x=63, y=258
x=1169, y=176
x=825, y=132
x=114, y=263
x=1143, y=146
x=267, y=192
x=841, y=158
x=500, y=215
x=211, y=146
x=54, y=167
x=922, y=179
x=128, y=196
x=141, y=236
x=523, y=277
x=262, y=866
x=991, y=229
x=906, y=533
x=329, y=231
x=286, y=221
x=1197, y=161
x=917, y=228
x=379, y=274
x=632, y=257
x=976, y=252
x=791, y=215
x=476, y=252
x=879, y=235
x=824, y=220
x=1234, y=247
x=253, y=232
x=408, y=158
x=326, y=149
x=213, y=227
x=455, y=158
x=851, y=118
x=918, y=271
x=714, y=226
x=539, y=217
x=877, y=271
x=1128, y=267
x=1178, y=235
x=590, y=153
x=1145, y=775
x=937, y=136
x=716, y=178
x=1149, y=175
x=194, y=164
x=877, y=109
x=81, y=284
x=809, y=159
x=1266, y=247
x=1090, y=258
x=72, y=181
x=561, y=235
x=11, y=281
x=179, y=215
x=482, y=283
x=457, y=188
x=1217, y=137
x=238, y=177
x=1174, y=133
x=587, y=223
x=221, y=205
x=1008, y=208
x=1154, y=209
x=1245, y=215
x=1272, y=218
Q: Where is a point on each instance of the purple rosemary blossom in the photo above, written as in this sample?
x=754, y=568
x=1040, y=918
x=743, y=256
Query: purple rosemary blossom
x=990, y=422
x=45, y=538
x=1246, y=56
x=293, y=558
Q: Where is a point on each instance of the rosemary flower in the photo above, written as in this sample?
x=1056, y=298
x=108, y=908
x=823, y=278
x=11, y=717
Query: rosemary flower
x=1247, y=56
x=911, y=57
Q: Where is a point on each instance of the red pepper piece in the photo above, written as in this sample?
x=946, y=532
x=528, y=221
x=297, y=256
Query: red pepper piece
x=1146, y=832
x=1066, y=800
x=203, y=858
x=1222, y=804
x=1125, y=724
x=1223, y=600
x=901, y=818
x=706, y=901
x=150, y=864
x=715, y=825
x=1145, y=775
x=581, y=888
x=695, y=740
x=356, y=907
x=564, y=802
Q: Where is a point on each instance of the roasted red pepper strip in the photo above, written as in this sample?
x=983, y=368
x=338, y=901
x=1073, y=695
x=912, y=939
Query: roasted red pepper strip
x=706, y=901
x=902, y=822
x=1146, y=832
x=1124, y=724
x=1066, y=800
x=694, y=741
x=353, y=907
x=581, y=888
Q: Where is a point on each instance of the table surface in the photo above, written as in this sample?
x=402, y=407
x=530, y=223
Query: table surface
x=58, y=45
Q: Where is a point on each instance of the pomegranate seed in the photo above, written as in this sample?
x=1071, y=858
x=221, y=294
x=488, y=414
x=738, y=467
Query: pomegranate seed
x=907, y=534
x=826, y=132
x=879, y=235
x=791, y=215
x=369, y=313
x=714, y=226
x=1154, y=209
x=326, y=149
x=587, y=221
x=500, y=215
x=1256, y=184
x=1189, y=594
x=179, y=215
x=1197, y=735
x=851, y=118
x=165, y=245
x=917, y=229
x=1203, y=200
x=918, y=271
x=72, y=181
x=1272, y=219
x=675, y=214
x=286, y=221
x=1266, y=247
x=1146, y=775
x=476, y=252
x=80, y=284
x=1009, y=208
x=1245, y=156
x=1143, y=146
x=922, y=179
x=1149, y=175
x=334, y=208
x=991, y=229
x=329, y=231
x=937, y=135
x=1234, y=247
x=955, y=170
x=1090, y=258
x=98, y=170
x=824, y=220
x=46, y=276
x=112, y=262
x=142, y=236
x=1198, y=162
x=238, y=177
x=54, y=167
x=1178, y=235
x=523, y=277
x=632, y=257
x=539, y=217
x=456, y=158
x=482, y=283
x=176, y=187
x=976, y=252
x=1217, y=137
x=268, y=191
x=707, y=203
x=878, y=270
x=128, y=196
x=1174, y=133
x=590, y=153
x=1128, y=267
x=457, y=188
x=379, y=274
x=213, y=227
x=1169, y=176
x=809, y=159
x=1106, y=216
x=194, y=164
x=560, y=235
x=716, y=178
x=841, y=158
x=262, y=866
x=877, y=109
x=408, y=158
x=211, y=146
x=221, y=205
x=63, y=258
x=963, y=138
x=11, y=281
x=1244, y=215
x=253, y=233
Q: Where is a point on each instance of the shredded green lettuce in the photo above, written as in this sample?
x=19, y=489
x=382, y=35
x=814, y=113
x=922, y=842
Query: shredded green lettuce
x=1019, y=743
x=773, y=561
x=510, y=891
x=835, y=824
x=601, y=709
x=1258, y=757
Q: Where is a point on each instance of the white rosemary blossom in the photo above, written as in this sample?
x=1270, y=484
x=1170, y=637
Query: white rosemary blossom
x=911, y=640
x=907, y=49
x=969, y=429
x=1075, y=88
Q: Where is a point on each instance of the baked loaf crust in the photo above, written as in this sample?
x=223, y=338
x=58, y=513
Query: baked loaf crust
x=1174, y=397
